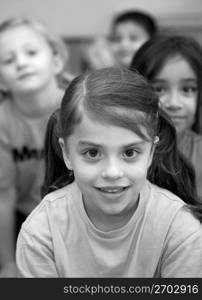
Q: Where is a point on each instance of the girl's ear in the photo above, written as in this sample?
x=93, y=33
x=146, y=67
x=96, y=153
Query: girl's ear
x=65, y=154
x=155, y=142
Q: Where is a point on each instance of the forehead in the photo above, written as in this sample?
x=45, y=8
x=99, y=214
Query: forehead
x=130, y=27
x=176, y=67
x=102, y=133
x=22, y=34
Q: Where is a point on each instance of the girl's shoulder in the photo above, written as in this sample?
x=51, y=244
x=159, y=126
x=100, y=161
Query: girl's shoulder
x=170, y=209
x=52, y=206
x=164, y=197
x=62, y=193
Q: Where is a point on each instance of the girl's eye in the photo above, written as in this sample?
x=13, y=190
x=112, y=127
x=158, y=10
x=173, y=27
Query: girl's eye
x=8, y=61
x=190, y=90
x=159, y=90
x=130, y=153
x=32, y=52
x=92, y=154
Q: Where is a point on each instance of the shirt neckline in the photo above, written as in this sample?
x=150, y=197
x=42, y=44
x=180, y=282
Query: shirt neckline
x=120, y=232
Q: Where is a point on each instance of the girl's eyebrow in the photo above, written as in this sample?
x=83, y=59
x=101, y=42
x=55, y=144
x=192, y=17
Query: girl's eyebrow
x=190, y=80
x=183, y=79
x=131, y=145
x=88, y=143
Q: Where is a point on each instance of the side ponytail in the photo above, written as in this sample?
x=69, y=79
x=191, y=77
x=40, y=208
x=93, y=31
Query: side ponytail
x=56, y=173
x=170, y=169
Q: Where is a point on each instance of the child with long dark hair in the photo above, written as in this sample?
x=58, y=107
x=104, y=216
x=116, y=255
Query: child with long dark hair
x=112, y=211
x=173, y=65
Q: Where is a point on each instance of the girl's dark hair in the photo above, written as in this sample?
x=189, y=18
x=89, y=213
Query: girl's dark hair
x=56, y=173
x=122, y=98
x=151, y=57
x=142, y=18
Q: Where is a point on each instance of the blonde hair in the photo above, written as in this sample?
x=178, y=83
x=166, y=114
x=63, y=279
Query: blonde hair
x=56, y=43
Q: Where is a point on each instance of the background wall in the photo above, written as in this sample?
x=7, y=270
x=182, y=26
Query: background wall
x=90, y=17
x=79, y=20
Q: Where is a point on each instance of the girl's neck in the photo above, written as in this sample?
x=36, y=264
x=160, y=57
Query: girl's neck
x=181, y=136
x=36, y=104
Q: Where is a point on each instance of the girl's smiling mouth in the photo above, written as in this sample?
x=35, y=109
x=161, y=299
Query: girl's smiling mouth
x=112, y=189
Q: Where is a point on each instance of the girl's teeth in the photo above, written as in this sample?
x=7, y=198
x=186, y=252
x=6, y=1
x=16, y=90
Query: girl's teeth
x=112, y=190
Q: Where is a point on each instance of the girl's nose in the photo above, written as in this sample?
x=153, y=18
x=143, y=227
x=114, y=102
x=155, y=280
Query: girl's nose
x=125, y=43
x=112, y=171
x=172, y=101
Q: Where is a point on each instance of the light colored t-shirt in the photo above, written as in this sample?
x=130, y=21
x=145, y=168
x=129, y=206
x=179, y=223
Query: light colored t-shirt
x=162, y=239
x=191, y=146
x=21, y=156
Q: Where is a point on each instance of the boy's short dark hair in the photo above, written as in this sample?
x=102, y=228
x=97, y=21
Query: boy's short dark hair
x=139, y=17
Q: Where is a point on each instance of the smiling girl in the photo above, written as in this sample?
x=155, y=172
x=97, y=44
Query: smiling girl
x=104, y=216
